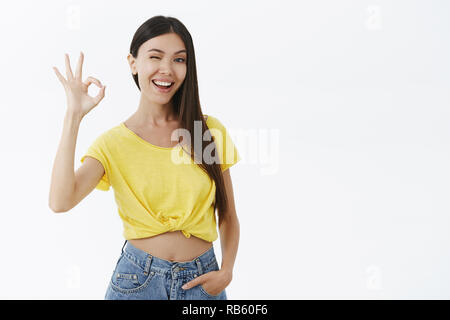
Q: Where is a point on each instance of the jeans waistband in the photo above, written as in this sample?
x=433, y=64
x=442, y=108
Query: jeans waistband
x=145, y=260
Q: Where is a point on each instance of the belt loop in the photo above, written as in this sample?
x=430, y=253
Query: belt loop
x=148, y=263
x=199, y=266
x=124, y=245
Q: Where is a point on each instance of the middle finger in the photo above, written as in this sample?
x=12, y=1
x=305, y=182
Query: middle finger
x=68, y=69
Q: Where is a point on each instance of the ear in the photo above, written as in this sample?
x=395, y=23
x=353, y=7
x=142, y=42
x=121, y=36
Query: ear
x=132, y=63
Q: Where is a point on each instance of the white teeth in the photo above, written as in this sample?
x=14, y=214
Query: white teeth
x=162, y=83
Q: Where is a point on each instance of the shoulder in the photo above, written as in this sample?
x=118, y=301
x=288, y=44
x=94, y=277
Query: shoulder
x=211, y=120
x=108, y=135
x=214, y=122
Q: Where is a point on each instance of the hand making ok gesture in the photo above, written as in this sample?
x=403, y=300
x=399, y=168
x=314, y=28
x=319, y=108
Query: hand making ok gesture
x=78, y=100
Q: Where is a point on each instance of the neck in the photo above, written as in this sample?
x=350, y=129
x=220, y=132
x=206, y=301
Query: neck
x=150, y=113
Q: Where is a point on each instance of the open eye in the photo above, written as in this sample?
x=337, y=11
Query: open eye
x=183, y=60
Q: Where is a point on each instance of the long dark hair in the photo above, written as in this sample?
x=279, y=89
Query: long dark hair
x=186, y=102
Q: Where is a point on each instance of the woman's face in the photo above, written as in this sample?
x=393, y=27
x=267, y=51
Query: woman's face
x=163, y=57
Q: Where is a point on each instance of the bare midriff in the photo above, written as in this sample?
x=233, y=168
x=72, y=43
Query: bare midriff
x=173, y=246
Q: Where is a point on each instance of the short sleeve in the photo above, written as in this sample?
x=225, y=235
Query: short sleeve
x=227, y=150
x=97, y=150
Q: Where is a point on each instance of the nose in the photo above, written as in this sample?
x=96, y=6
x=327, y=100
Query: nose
x=165, y=67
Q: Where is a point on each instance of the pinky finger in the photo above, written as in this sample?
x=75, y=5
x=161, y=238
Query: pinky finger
x=60, y=76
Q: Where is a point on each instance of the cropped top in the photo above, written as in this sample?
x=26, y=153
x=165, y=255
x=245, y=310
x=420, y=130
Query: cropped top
x=159, y=189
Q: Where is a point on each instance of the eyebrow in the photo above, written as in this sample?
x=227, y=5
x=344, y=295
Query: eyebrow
x=159, y=50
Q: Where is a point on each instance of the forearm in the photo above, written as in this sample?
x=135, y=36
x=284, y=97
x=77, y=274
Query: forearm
x=229, y=240
x=63, y=176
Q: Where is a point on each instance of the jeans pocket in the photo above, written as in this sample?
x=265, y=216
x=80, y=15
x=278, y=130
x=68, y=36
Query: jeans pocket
x=128, y=277
x=213, y=266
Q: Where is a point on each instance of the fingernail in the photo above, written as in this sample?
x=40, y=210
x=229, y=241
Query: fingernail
x=184, y=287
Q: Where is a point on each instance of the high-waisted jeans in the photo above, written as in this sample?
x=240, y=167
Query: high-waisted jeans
x=140, y=276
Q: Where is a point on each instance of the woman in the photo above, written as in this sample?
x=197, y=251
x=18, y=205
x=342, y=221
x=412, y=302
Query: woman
x=166, y=193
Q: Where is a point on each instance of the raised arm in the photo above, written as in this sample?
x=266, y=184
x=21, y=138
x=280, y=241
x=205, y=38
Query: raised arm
x=68, y=188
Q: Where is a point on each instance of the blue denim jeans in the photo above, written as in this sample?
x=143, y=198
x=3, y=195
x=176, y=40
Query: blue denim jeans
x=140, y=276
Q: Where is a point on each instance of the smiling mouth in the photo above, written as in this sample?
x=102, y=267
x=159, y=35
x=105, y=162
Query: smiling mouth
x=163, y=87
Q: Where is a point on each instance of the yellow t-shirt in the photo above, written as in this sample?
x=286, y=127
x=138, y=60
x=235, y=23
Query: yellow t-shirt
x=160, y=189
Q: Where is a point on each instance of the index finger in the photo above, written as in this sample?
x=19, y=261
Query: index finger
x=194, y=282
x=78, y=72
